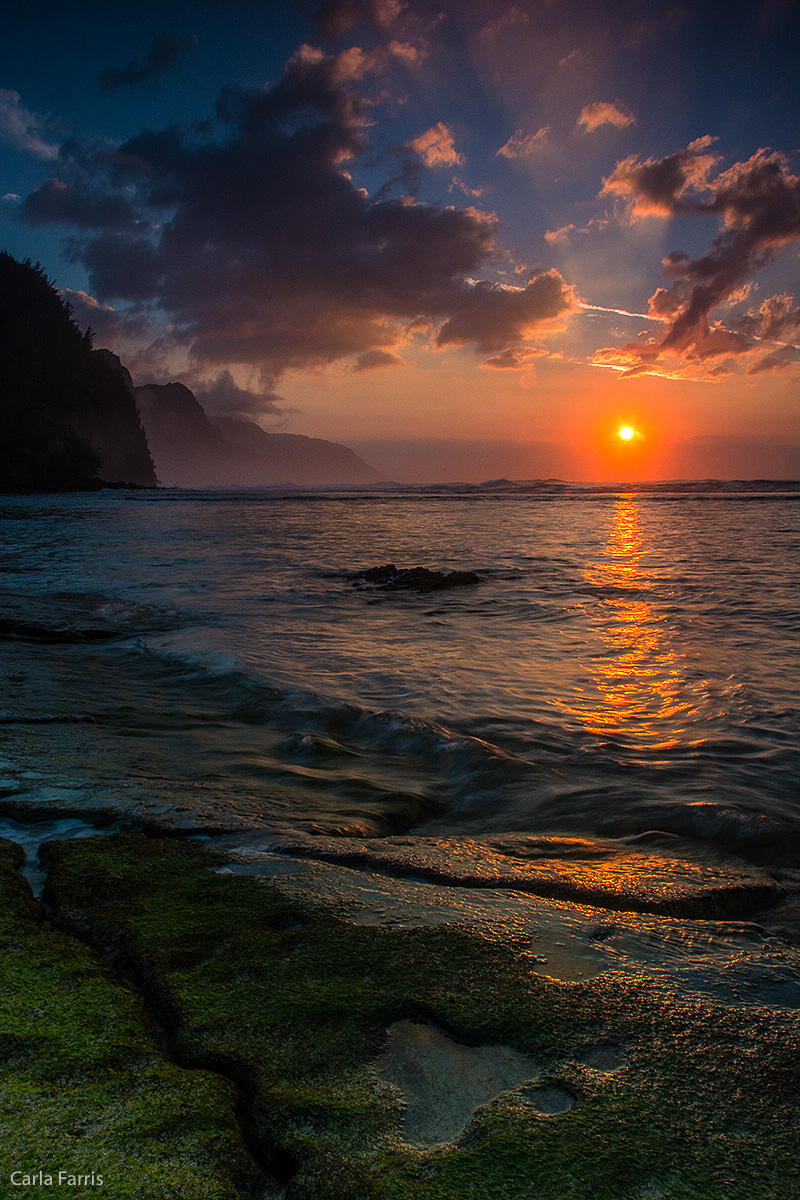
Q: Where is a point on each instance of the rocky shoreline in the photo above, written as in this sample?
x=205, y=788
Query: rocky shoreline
x=183, y=1025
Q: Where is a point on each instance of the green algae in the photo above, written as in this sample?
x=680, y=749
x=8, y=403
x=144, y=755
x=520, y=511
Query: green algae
x=294, y=1005
x=84, y=1087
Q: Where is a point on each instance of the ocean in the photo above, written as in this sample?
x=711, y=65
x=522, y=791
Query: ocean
x=201, y=663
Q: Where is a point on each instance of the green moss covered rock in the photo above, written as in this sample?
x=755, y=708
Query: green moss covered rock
x=84, y=1086
x=640, y=1091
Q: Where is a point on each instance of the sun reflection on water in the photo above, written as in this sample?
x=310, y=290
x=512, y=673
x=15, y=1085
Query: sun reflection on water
x=637, y=691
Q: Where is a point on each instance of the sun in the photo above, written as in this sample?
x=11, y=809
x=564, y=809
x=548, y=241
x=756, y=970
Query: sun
x=626, y=433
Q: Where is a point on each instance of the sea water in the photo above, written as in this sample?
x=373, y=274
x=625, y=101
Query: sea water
x=203, y=662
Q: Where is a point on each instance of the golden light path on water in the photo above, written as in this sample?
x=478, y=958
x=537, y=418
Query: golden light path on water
x=638, y=689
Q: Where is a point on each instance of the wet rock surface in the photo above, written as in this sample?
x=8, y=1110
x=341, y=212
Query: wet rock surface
x=301, y=1008
x=604, y=875
x=444, y=1082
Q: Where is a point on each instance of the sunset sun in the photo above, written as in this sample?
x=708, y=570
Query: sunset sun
x=626, y=433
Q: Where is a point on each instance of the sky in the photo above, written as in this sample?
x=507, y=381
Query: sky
x=468, y=238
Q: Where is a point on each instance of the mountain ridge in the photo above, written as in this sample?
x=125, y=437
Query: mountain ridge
x=192, y=449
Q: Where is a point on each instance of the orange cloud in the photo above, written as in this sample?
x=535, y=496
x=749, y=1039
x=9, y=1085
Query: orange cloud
x=462, y=187
x=435, y=147
x=757, y=203
x=603, y=112
x=337, y=16
x=659, y=187
x=520, y=145
x=778, y=319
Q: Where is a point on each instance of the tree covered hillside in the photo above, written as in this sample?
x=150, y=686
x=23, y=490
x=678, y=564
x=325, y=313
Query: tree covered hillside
x=67, y=419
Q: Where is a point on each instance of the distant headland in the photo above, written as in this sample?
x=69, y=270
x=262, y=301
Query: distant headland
x=71, y=419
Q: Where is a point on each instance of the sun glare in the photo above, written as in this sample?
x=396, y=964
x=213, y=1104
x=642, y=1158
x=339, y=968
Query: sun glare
x=626, y=433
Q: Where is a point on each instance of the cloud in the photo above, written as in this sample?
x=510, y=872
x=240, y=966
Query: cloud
x=512, y=19
x=646, y=30
x=250, y=236
x=757, y=204
x=374, y=359
x=335, y=17
x=602, y=112
x=559, y=235
x=224, y=397
x=459, y=184
x=778, y=319
x=567, y=231
x=124, y=266
x=107, y=323
x=23, y=129
x=491, y=315
x=514, y=358
x=56, y=200
x=662, y=187
x=521, y=145
x=771, y=364
x=435, y=147
x=163, y=52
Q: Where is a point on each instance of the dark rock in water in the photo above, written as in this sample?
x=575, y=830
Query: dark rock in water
x=416, y=579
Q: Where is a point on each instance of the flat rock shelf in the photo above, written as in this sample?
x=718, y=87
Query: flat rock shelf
x=193, y=1032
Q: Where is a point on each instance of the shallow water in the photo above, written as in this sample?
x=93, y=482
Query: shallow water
x=626, y=669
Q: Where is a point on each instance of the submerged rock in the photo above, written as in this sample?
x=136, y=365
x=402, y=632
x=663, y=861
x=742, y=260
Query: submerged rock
x=417, y=579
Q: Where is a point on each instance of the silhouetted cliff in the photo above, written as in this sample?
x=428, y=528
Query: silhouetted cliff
x=192, y=451
x=68, y=421
x=187, y=449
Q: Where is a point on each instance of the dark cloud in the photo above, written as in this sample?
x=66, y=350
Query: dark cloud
x=224, y=397
x=123, y=266
x=249, y=232
x=163, y=52
x=491, y=315
x=770, y=365
x=374, y=359
x=108, y=324
x=662, y=187
x=57, y=200
x=759, y=204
